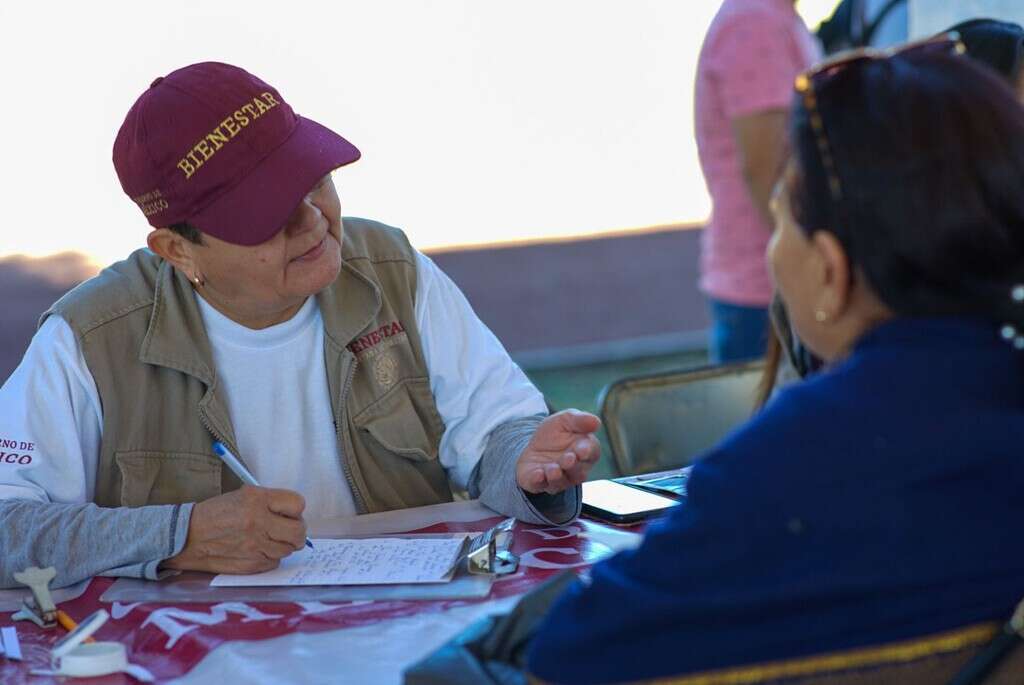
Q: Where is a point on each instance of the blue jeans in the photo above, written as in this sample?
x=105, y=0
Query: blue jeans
x=738, y=333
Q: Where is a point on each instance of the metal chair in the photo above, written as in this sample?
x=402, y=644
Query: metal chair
x=663, y=421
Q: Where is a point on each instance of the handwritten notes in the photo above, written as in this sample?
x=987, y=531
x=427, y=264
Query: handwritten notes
x=366, y=561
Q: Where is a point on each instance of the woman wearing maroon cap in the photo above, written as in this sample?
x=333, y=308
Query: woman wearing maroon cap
x=339, y=364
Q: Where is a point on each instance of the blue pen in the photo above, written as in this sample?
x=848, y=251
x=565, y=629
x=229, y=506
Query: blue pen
x=239, y=470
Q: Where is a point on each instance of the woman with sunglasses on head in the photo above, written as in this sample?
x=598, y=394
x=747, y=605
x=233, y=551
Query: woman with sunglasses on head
x=994, y=43
x=873, y=514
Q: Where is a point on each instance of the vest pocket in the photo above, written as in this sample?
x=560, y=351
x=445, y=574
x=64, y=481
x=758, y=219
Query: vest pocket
x=150, y=477
x=404, y=421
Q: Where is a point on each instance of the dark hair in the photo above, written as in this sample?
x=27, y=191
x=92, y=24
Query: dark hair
x=188, y=232
x=929, y=151
x=998, y=44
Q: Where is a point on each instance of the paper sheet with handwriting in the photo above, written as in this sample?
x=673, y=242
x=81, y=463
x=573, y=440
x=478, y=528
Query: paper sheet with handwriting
x=359, y=561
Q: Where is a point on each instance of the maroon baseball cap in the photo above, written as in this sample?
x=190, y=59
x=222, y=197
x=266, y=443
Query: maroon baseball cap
x=215, y=146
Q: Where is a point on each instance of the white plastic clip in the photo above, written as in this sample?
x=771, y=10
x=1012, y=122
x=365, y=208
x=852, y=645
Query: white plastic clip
x=27, y=612
x=40, y=609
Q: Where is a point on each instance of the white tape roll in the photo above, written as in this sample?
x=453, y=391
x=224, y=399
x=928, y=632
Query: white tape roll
x=94, y=658
x=73, y=656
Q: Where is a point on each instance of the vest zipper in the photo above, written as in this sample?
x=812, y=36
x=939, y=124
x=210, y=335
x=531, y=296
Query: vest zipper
x=342, y=427
x=220, y=438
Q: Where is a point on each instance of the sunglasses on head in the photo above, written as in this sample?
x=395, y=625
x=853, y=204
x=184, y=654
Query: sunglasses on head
x=809, y=83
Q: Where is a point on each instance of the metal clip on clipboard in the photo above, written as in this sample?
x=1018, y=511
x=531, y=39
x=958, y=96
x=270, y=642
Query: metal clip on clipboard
x=490, y=553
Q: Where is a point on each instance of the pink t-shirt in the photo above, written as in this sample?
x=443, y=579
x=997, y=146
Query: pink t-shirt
x=751, y=55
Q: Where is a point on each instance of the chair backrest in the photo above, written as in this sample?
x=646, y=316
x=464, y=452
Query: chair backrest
x=939, y=659
x=663, y=421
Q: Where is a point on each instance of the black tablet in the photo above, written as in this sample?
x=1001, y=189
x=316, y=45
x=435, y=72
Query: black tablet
x=617, y=503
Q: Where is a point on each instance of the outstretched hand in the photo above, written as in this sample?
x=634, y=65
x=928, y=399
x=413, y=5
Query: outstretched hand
x=560, y=453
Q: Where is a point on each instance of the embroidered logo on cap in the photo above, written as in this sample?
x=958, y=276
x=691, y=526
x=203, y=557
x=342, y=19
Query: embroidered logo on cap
x=213, y=141
x=150, y=203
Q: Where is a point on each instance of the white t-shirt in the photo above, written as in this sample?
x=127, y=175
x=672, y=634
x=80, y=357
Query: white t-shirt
x=275, y=385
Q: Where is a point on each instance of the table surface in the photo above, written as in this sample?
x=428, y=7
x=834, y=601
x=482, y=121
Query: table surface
x=310, y=641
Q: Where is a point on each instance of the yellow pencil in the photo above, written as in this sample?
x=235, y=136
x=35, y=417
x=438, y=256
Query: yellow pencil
x=69, y=624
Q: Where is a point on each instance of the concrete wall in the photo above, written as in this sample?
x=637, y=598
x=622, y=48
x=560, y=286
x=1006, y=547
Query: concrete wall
x=578, y=301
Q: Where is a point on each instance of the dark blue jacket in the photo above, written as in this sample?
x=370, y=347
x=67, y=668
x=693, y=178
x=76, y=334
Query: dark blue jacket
x=881, y=500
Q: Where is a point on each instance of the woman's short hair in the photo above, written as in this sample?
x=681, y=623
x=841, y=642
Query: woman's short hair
x=997, y=44
x=188, y=232
x=929, y=152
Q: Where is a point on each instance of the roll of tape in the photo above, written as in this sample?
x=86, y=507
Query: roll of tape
x=95, y=658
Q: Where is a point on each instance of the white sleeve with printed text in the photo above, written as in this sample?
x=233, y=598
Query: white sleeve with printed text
x=476, y=385
x=50, y=421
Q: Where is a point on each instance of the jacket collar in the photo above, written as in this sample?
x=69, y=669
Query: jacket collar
x=176, y=337
x=348, y=305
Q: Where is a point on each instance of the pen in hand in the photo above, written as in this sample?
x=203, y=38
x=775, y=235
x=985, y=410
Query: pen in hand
x=239, y=470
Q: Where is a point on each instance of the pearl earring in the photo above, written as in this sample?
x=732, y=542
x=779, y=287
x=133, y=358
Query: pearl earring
x=820, y=315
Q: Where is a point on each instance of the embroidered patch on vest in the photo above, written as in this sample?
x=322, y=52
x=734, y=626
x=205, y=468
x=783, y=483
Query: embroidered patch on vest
x=376, y=337
x=376, y=351
x=385, y=370
x=382, y=360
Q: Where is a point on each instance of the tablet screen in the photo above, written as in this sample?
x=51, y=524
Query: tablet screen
x=622, y=500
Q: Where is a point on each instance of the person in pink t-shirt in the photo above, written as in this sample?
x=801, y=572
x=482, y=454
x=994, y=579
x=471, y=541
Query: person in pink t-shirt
x=750, y=57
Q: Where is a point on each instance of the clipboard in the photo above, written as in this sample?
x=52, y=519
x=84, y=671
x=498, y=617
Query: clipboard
x=486, y=556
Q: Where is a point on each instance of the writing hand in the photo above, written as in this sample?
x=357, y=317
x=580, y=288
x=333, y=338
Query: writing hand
x=248, y=530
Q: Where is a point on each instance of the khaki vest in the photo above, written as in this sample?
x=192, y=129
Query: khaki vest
x=141, y=332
